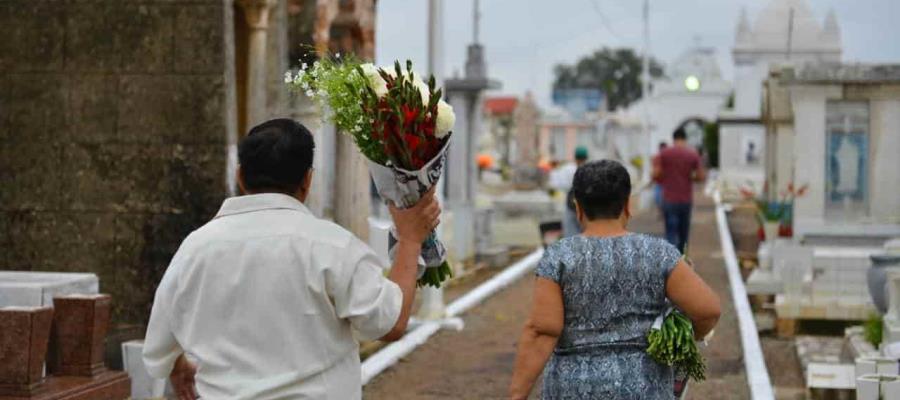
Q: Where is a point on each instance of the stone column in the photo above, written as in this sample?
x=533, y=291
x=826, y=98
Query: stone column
x=350, y=201
x=351, y=191
x=257, y=14
x=460, y=189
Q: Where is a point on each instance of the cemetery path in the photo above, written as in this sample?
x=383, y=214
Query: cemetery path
x=477, y=362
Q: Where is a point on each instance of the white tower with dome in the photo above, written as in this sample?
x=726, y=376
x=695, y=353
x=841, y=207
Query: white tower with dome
x=785, y=31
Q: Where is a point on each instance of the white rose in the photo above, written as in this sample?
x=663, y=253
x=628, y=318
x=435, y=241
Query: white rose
x=423, y=90
x=376, y=82
x=445, y=120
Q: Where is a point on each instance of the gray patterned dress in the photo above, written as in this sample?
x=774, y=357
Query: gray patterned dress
x=613, y=288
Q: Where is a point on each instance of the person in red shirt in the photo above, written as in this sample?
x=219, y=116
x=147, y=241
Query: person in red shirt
x=675, y=169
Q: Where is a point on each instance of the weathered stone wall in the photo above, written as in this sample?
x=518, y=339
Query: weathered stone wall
x=114, y=122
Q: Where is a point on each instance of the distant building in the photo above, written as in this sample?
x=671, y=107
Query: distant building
x=561, y=132
x=785, y=31
x=578, y=102
x=497, y=139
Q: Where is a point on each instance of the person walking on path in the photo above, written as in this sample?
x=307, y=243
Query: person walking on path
x=562, y=181
x=265, y=297
x=657, y=189
x=675, y=169
x=596, y=296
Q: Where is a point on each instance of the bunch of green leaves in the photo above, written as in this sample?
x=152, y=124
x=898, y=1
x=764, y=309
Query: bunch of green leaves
x=435, y=276
x=338, y=85
x=873, y=329
x=673, y=345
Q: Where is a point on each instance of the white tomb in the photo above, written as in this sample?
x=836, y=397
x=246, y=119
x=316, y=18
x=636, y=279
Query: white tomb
x=33, y=289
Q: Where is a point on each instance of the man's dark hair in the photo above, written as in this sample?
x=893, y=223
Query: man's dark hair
x=679, y=134
x=275, y=156
x=602, y=189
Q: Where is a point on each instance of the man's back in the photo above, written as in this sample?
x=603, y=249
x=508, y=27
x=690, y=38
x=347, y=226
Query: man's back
x=677, y=165
x=264, y=297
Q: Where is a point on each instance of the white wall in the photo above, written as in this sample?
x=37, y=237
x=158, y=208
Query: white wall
x=731, y=162
x=809, y=150
x=669, y=111
x=885, y=152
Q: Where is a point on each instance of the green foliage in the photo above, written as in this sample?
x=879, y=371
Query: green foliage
x=711, y=143
x=873, y=329
x=617, y=72
x=338, y=85
x=434, y=276
x=673, y=345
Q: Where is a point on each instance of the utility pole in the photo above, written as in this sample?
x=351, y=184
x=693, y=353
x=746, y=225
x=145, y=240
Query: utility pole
x=645, y=92
x=790, y=35
x=432, y=306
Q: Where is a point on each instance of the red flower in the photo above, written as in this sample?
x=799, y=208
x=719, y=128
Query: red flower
x=409, y=114
x=412, y=141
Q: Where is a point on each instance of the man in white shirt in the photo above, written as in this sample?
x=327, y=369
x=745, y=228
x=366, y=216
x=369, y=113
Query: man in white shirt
x=561, y=180
x=265, y=297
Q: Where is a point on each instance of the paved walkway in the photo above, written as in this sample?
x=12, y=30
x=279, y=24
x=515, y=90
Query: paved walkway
x=477, y=362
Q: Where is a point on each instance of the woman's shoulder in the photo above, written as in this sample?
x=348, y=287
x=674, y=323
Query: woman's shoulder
x=649, y=240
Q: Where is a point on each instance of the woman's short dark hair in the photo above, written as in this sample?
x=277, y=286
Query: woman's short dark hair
x=275, y=156
x=602, y=189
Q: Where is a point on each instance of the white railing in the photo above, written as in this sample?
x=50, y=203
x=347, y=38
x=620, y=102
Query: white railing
x=393, y=352
x=754, y=363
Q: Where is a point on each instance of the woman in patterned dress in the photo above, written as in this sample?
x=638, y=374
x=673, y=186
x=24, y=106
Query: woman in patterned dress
x=596, y=296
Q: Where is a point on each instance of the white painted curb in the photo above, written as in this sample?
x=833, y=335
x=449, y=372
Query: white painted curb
x=754, y=364
x=393, y=352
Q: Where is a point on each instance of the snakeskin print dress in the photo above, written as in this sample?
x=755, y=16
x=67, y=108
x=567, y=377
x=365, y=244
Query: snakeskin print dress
x=613, y=288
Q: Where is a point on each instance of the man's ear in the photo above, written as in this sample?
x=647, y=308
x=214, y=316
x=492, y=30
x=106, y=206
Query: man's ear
x=579, y=213
x=627, y=209
x=239, y=175
x=303, y=191
x=307, y=183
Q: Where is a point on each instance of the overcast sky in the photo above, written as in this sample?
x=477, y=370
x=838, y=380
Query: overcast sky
x=524, y=39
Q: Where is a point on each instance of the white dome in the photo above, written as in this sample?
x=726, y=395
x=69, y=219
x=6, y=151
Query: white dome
x=770, y=30
x=698, y=61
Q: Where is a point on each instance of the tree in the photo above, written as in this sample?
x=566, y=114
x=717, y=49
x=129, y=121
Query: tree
x=617, y=72
x=711, y=143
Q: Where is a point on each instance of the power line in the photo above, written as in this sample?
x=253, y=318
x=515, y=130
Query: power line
x=603, y=19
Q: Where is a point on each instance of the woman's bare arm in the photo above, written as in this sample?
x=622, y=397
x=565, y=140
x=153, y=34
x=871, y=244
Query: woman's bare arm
x=538, y=337
x=694, y=297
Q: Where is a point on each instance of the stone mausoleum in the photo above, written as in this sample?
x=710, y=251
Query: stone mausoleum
x=118, y=124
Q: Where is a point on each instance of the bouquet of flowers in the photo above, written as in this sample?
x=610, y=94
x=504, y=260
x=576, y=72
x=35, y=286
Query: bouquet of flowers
x=400, y=124
x=772, y=209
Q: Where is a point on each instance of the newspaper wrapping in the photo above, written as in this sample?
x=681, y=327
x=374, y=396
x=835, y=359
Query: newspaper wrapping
x=404, y=189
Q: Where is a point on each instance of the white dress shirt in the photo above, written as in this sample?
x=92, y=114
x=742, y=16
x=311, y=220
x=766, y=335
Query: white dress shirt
x=562, y=177
x=265, y=297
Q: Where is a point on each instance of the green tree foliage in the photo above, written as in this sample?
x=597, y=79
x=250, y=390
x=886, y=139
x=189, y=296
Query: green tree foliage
x=617, y=72
x=711, y=143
